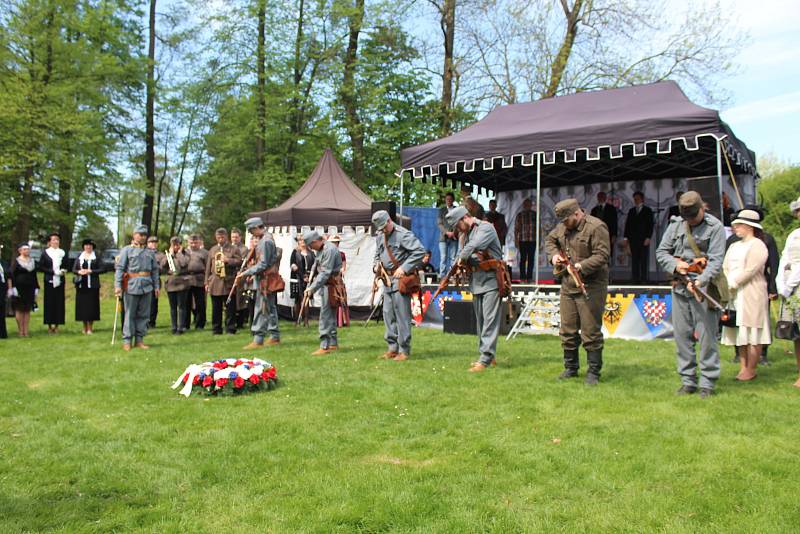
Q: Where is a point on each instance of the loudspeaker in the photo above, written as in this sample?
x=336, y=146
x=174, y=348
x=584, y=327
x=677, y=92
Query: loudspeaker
x=509, y=317
x=388, y=205
x=459, y=318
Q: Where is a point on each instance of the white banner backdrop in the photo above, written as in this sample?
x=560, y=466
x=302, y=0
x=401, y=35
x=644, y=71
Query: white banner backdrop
x=359, y=248
x=659, y=196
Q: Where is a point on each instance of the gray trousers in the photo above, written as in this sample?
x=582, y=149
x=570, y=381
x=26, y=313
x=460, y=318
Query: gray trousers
x=265, y=319
x=397, y=319
x=689, y=316
x=137, y=316
x=487, y=312
x=327, y=322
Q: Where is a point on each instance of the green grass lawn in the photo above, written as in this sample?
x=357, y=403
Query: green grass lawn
x=94, y=439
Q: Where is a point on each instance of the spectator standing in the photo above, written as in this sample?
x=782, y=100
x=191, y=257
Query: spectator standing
x=498, y=220
x=302, y=261
x=744, y=269
x=152, y=244
x=608, y=214
x=448, y=242
x=24, y=288
x=525, y=239
x=5, y=292
x=789, y=280
x=87, y=269
x=638, y=232
x=52, y=264
x=196, y=300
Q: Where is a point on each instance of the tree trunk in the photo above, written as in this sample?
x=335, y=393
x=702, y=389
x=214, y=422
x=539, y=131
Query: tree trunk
x=180, y=177
x=348, y=94
x=150, y=151
x=562, y=58
x=191, y=191
x=448, y=25
x=22, y=227
x=295, y=120
x=261, y=89
x=66, y=223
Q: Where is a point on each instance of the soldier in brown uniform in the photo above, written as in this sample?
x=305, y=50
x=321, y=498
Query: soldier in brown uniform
x=176, y=265
x=224, y=260
x=582, y=240
x=198, y=256
x=241, y=299
x=152, y=244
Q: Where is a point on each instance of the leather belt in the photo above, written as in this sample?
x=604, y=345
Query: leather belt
x=139, y=274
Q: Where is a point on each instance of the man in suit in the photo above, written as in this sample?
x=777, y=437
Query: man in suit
x=608, y=214
x=638, y=232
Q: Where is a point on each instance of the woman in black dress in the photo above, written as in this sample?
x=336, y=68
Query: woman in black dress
x=302, y=261
x=52, y=265
x=87, y=269
x=5, y=292
x=24, y=287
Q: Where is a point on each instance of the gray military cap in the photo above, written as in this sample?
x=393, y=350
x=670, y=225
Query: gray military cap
x=455, y=215
x=141, y=229
x=311, y=236
x=690, y=204
x=253, y=222
x=380, y=219
x=565, y=208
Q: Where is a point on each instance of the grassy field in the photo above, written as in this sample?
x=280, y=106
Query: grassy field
x=93, y=439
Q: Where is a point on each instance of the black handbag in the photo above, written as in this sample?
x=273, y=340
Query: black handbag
x=788, y=330
x=728, y=318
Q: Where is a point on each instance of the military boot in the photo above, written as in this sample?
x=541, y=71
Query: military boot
x=595, y=361
x=571, y=365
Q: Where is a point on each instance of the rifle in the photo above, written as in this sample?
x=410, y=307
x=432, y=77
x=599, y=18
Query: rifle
x=302, y=314
x=573, y=272
x=116, y=316
x=380, y=276
x=699, y=294
x=458, y=269
x=242, y=269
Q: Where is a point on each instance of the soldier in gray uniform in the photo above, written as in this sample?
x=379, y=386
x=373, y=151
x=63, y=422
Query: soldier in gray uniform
x=265, y=320
x=481, y=237
x=408, y=253
x=584, y=240
x=674, y=254
x=137, y=264
x=328, y=265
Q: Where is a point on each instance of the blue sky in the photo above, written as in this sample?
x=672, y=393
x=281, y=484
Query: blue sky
x=765, y=108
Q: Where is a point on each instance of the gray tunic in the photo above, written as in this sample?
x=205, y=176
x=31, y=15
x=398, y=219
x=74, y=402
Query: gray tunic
x=482, y=237
x=710, y=238
x=406, y=248
x=137, y=260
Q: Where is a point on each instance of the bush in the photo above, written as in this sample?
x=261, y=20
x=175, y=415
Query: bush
x=776, y=192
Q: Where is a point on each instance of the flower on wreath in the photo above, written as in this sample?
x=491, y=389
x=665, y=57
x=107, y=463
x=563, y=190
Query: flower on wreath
x=230, y=375
x=238, y=382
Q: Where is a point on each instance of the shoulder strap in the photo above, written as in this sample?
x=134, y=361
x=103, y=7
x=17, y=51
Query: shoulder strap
x=389, y=251
x=690, y=239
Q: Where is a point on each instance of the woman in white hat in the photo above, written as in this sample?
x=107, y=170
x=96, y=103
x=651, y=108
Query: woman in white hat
x=789, y=280
x=744, y=268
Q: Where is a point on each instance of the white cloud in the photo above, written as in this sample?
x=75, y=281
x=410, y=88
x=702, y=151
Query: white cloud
x=776, y=106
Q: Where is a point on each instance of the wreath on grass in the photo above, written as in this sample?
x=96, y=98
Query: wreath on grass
x=230, y=376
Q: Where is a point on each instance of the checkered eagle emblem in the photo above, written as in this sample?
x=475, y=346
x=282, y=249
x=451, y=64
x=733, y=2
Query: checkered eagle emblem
x=654, y=311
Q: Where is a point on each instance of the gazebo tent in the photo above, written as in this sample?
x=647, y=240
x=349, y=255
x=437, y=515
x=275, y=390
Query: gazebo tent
x=328, y=197
x=651, y=131
x=640, y=133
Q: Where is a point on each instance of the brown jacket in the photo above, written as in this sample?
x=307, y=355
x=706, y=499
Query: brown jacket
x=218, y=287
x=588, y=244
x=197, y=266
x=180, y=280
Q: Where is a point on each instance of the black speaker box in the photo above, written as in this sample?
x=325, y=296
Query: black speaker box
x=459, y=318
x=509, y=316
x=388, y=205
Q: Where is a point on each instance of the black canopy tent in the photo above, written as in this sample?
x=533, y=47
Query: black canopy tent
x=327, y=197
x=641, y=132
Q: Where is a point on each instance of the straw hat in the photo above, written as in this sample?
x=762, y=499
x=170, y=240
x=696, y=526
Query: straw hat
x=748, y=217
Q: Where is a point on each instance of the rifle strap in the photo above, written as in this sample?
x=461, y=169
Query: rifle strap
x=394, y=261
x=690, y=238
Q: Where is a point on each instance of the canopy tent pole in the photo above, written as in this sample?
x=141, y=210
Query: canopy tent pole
x=733, y=178
x=538, y=213
x=400, y=218
x=719, y=182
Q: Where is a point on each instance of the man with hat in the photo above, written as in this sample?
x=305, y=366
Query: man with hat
x=580, y=244
x=152, y=244
x=400, y=253
x=694, y=234
x=481, y=245
x=198, y=257
x=328, y=266
x=176, y=264
x=136, y=281
x=224, y=260
x=267, y=256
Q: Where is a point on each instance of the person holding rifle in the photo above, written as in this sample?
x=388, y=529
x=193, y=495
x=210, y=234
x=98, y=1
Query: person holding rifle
x=693, y=235
x=480, y=255
x=136, y=281
x=328, y=275
x=265, y=320
x=399, y=253
x=578, y=248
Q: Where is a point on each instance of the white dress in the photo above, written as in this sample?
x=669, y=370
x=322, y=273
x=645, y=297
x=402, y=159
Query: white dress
x=743, y=335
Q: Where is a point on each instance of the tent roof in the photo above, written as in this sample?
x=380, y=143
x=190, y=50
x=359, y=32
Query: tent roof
x=650, y=131
x=328, y=197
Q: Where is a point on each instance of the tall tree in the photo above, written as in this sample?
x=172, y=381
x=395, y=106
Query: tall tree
x=150, y=135
x=261, y=85
x=348, y=92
